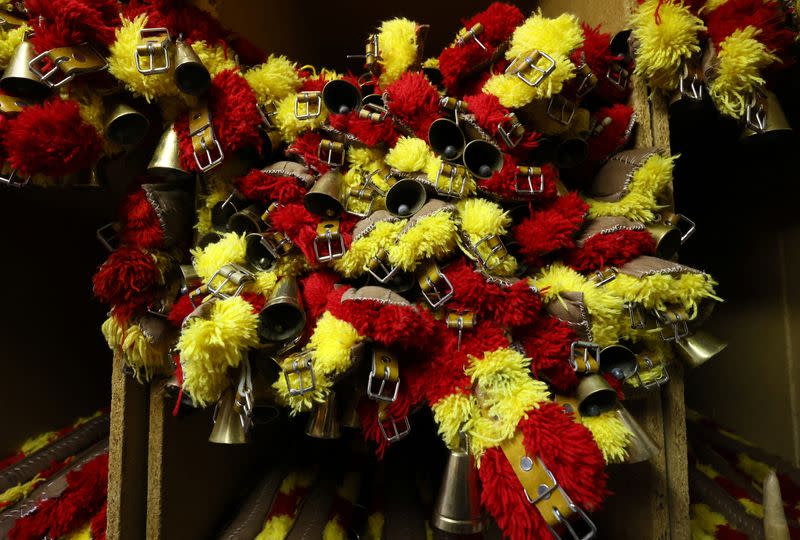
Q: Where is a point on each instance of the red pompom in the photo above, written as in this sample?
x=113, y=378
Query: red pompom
x=547, y=344
x=300, y=226
x=612, y=249
x=316, y=287
x=126, y=281
x=181, y=309
x=551, y=228
x=620, y=119
x=306, y=148
x=597, y=55
x=767, y=16
x=387, y=324
x=414, y=101
x=98, y=524
x=72, y=22
x=179, y=17
x=365, y=130
x=259, y=186
x=51, y=139
x=141, y=227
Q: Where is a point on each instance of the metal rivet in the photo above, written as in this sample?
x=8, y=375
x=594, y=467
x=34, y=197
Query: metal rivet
x=568, y=407
x=543, y=491
x=526, y=463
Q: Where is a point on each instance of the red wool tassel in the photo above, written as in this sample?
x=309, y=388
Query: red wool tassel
x=414, y=101
x=126, y=281
x=767, y=16
x=612, y=249
x=72, y=22
x=614, y=135
x=141, y=227
x=262, y=187
x=98, y=524
x=595, y=52
x=316, y=288
x=306, y=148
x=506, y=181
x=551, y=228
x=365, y=130
x=181, y=309
x=179, y=17
x=547, y=344
x=51, y=139
x=300, y=226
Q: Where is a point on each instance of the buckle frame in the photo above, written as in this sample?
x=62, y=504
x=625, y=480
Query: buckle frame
x=604, y=275
x=200, y=128
x=397, y=434
x=336, y=152
x=672, y=220
x=528, y=172
x=497, y=251
x=460, y=320
x=591, y=363
x=451, y=171
x=378, y=266
x=327, y=234
x=152, y=40
x=511, y=130
x=230, y=273
x=567, y=112
x=267, y=111
x=618, y=76
x=527, y=63
x=390, y=376
x=307, y=98
x=9, y=177
x=297, y=364
x=677, y=319
x=70, y=61
x=464, y=34
x=588, y=81
x=648, y=365
x=430, y=282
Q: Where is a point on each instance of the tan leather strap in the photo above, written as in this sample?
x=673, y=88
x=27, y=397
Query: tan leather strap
x=649, y=266
x=612, y=181
x=366, y=225
x=606, y=225
x=250, y=519
x=174, y=209
x=379, y=294
x=571, y=309
x=290, y=168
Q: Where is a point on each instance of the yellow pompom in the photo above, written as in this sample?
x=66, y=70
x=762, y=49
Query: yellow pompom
x=611, y=435
x=442, y=182
x=705, y=522
x=433, y=236
x=452, y=414
x=288, y=123
x=362, y=249
x=276, y=528
x=397, y=39
x=659, y=291
x=375, y=526
x=481, y=218
x=334, y=531
x=136, y=350
x=9, y=41
x=215, y=58
x=410, y=154
x=274, y=79
x=229, y=249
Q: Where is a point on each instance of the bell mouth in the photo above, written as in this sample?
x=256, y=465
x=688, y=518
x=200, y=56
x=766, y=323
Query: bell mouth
x=281, y=322
x=405, y=198
x=128, y=130
x=482, y=159
x=27, y=88
x=257, y=253
x=446, y=139
x=669, y=244
x=598, y=403
x=192, y=79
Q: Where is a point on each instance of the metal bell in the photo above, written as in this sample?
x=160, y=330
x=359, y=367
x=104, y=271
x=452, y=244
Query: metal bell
x=446, y=138
x=341, y=97
x=19, y=80
x=618, y=361
x=699, y=348
x=282, y=318
x=166, y=161
x=323, y=197
x=458, y=505
x=641, y=446
x=191, y=76
x=230, y=422
x=482, y=158
x=668, y=239
x=124, y=125
x=405, y=197
x=595, y=396
x=257, y=253
x=765, y=121
x=247, y=221
x=324, y=421
x=775, y=525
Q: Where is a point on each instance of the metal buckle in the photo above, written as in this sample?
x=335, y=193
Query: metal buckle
x=336, y=152
x=364, y=194
x=604, y=275
x=378, y=266
x=108, y=235
x=389, y=375
x=566, y=523
x=528, y=172
x=151, y=41
x=431, y=282
x=267, y=111
x=297, y=364
x=12, y=105
x=567, y=112
x=677, y=319
x=590, y=362
x=307, y=98
x=673, y=219
x=588, y=80
x=373, y=112
x=497, y=249
x=511, y=130
x=9, y=177
x=327, y=233
x=645, y=363
x=372, y=52
x=200, y=128
x=451, y=172
x=460, y=320
x=274, y=205
x=396, y=433
x=70, y=61
x=230, y=273
x=277, y=243
x=690, y=85
x=472, y=33
x=637, y=315
x=529, y=62
x=618, y=75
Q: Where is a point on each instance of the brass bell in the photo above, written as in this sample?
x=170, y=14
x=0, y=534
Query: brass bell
x=458, y=505
x=641, y=446
x=668, y=239
x=230, y=422
x=19, y=80
x=341, y=97
x=191, y=76
x=257, y=253
x=352, y=393
x=324, y=421
x=699, y=348
x=124, y=125
x=618, y=361
x=222, y=211
x=446, y=138
x=765, y=121
x=247, y=221
x=282, y=318
x=595, y=396
x=166, y=161
x=482, y=158
x=405, y=197
x=775, y=525
x=323, y=197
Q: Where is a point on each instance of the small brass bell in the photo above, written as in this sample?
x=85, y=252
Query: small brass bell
x=446, y=138
x=341, y=97
x=166, y=161
x=191, y=76
x=324, y=421
x=18, y=79
x=641, y=446
x=699, y=348
x=257, y=253
x=775, y=525
x=405, y=197
x=458, y=505
x=618, y=361
x=247, y=221
x=282, y=318
x=124, y=125
x=668, y=239
x=765, y=121
x=230, y=422
x=323, y=197
x=482, y=158
x=595, y=396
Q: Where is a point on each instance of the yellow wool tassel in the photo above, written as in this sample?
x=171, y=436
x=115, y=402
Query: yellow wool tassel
x=84, y=532
x=664, y=43
x=288, y=123
x=361, y=250
x=706, y=470
x=611, y=435
x=16, y=493
x=215, y=58
x=334, y=531
x=136, y=351
x=229, y=249
x=397, y=40
x=362, y=163
x=480, y=219
x=9, y=41
x=433, y=236
x=274, y=79
x=93, y=112
x=756, y=469
x=556, y=37
x=660, y=291
x=741, y=58
x=210, y=346
x=37, y=442
x=432, y=62
x=276, y=528
x=410, y=154
x=640, y=200
x=451, y=414
x=705, y=521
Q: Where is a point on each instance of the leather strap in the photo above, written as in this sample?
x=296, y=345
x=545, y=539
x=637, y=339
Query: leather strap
x=372, y=292
x=606, y=225
x=613, y=179
x=649, y=266
x=313, y=515
x=250, y=519
x=291, y=168
x=174, y=208
x=571, y=309
x=431, y=207
x=366, y=225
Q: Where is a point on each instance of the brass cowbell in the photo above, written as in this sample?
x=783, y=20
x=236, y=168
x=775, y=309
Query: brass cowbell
x=166, y=161
x=324, y=420
x=18, y=79
x=230, y=424
x=283, y=317
x=458, y=505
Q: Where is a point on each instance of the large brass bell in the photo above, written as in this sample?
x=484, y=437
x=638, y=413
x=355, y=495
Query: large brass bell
x=641, y=446
x=341, y=97
x=124, y=125
x=446, y=138
x=699, y=348
x=765, y=121
x=618, y=361
x=230, y=422
x=323, y=197
x=166, y=161
x=324, y=420
x=191, y=76
x=458, y=505
x=405, y=197
x=247, y=221
x=283, y=317
x=257, y=253
x=595, y=396
x=18, y=79
x=482, y=158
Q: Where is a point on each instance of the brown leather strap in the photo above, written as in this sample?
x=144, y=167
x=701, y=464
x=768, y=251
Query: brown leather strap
x=649, y=266
x=372, y=292
x=313, y=515
x=82, y=437
x=174, y=208
x=290, y=168
x=606, y=225
x=157, y=330
x=250, y=519
x=571, y=309
x=613, y=179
